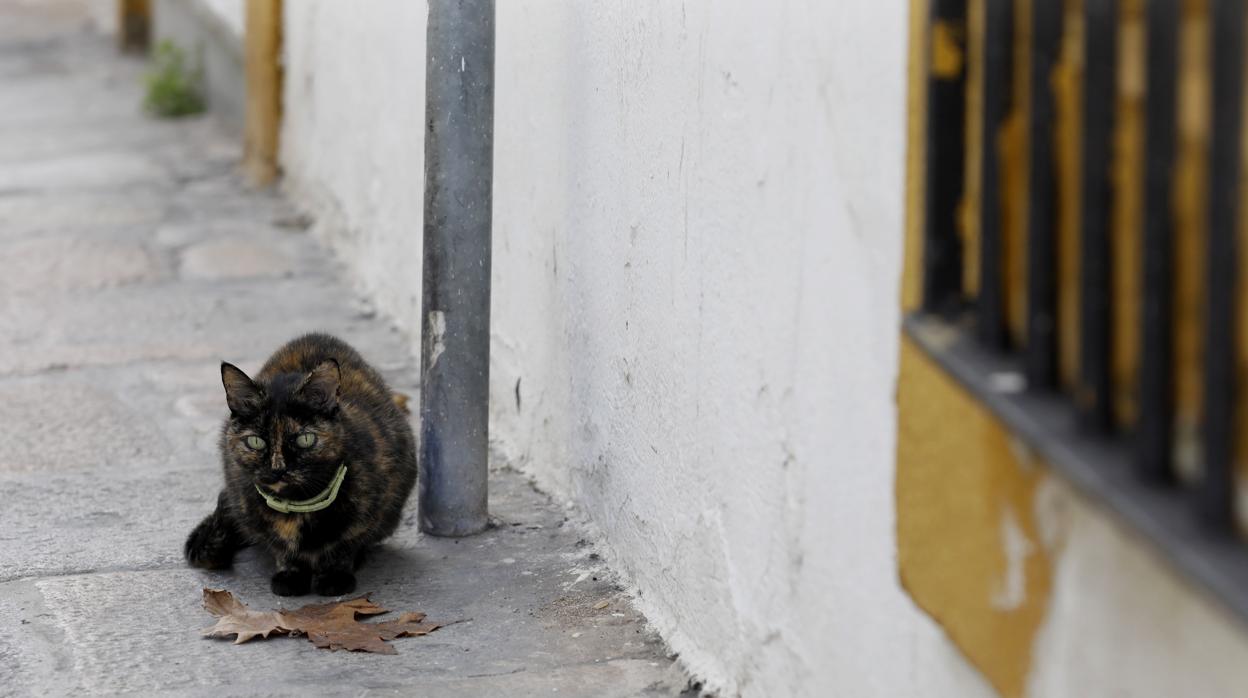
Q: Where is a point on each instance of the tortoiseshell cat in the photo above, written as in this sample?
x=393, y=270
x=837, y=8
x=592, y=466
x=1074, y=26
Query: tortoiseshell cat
x=319, y=461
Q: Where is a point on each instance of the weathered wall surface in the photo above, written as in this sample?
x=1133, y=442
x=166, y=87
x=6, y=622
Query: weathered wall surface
x=698, y=225
x=1120, y=622
x=352, y=138
x=229, y=12
x=698, y=216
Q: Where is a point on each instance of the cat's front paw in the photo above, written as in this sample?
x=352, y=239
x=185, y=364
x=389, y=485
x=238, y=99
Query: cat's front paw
x=291, y=583
x=334, y=583
x=209, y=546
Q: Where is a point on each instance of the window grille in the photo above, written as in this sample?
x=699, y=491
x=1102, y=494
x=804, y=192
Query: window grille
x=1083, y=248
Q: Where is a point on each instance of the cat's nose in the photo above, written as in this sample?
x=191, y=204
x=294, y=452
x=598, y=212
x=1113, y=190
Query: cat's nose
x=270, y=477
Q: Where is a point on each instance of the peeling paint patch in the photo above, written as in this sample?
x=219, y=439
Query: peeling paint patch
x=437, y=336
x=1011, y=591
x=1023, y=454
x=968, y=534
x=1050, y=512
x=948, y=54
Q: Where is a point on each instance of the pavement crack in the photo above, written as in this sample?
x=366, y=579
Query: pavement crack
x=517, y=670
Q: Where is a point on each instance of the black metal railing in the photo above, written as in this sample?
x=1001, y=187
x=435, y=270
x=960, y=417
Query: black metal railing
x=1116, y=422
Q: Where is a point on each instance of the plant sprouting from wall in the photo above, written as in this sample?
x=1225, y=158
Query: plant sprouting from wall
x=173, y=86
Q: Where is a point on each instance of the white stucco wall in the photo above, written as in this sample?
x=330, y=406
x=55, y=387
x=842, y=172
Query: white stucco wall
x=231, y=13
x=698, y=212
x=1120, y=621
x=698, y=224
x=351, y=138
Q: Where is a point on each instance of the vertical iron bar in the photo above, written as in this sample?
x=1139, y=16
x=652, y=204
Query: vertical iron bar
x=134, y=24
x=1213, y=494
x=1093, y=395
x=946, y=95
x=998, y=60
x=1154, y=437
x=455, y=352
x=1041, y=353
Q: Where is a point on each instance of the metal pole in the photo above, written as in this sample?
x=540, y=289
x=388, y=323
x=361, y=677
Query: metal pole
x=455, y=351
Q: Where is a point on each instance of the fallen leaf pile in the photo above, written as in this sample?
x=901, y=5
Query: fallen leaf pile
x=328, y=625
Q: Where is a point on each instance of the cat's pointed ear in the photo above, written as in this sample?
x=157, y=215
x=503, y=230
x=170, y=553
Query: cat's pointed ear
x=319, y=389
x=241, y=393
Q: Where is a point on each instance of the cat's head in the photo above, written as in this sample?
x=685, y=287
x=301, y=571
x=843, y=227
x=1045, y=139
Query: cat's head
x=286, y=432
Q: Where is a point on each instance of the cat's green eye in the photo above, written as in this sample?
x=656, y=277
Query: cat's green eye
x=305, y=440
x=255, y=443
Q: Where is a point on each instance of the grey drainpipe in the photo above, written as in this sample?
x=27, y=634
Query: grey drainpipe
x=455, y=333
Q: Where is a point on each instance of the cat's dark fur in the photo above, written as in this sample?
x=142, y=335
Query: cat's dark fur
x=315, y=384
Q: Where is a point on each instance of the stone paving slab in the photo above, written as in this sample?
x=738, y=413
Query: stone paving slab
x=529, y=601
x=132, y=259
x=66, y=524
x=28, y=213
x=180, y=321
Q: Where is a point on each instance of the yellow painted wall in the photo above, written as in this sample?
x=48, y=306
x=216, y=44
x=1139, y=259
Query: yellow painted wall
x=968, y=549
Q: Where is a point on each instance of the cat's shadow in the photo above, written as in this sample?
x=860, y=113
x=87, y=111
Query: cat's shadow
x=385, y=564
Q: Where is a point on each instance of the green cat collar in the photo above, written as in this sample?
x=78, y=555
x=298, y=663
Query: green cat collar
x=316, y=503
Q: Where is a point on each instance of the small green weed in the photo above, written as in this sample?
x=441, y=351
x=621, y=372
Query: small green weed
x=173, y=87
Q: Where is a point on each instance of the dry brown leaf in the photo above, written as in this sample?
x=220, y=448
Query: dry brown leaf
x=371, y=637
x=234, y=618
x=334, y=610
x=408, y=625
x=333, y=625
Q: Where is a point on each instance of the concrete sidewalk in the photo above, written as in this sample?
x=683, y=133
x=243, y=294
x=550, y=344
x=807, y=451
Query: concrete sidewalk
x=132, y=260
